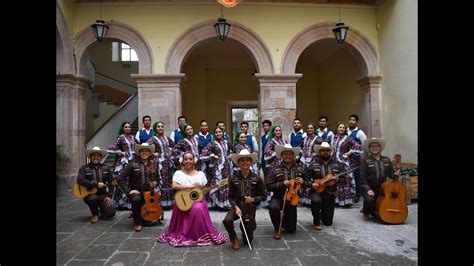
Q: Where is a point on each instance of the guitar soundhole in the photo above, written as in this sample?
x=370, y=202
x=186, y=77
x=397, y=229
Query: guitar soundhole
x=194, y=195
x=152, y=200
x=394, y=195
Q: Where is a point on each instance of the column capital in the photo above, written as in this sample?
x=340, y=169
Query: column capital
x=283, y=79
x=158, y=79
x=73, y=79
x=368, y=80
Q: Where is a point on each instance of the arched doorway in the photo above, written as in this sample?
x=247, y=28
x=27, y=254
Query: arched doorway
x=219, y=82
x=117, y=74
x=357, y=55
x=327, y=86
x=253, y=54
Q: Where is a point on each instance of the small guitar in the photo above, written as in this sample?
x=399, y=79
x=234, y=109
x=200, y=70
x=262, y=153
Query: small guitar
x=81, y=191
x=185, y=198
x=329, y=180
x=151, y=209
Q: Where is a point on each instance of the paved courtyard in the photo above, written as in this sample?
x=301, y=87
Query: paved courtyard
x=350, y=240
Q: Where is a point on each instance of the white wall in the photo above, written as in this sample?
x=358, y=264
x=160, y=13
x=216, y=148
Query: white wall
x=399, y=66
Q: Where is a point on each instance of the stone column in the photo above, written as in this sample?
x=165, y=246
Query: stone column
x=70, y=115
x=277, y=99
x=371, y=112
x=160, y=97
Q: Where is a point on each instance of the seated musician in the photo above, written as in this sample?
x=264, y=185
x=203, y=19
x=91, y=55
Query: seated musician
x=138, y=177
x=374, y=170
x=278, y=182
x=193, y=227
x=96, y=175
x=322, y=204
x=246, y=191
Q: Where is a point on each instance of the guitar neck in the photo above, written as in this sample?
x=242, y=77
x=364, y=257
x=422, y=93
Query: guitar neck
x=207, y=189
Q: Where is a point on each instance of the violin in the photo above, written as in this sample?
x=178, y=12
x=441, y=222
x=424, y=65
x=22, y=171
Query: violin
x=390, y=203
x=292, y=194
x=330, y=180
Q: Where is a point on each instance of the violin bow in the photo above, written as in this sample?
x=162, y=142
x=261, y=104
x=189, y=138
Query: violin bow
x=245, y=231
x=282, y=212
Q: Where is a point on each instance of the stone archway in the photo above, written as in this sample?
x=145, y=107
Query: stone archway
x=164, y=90
x=122, y=32
x=205, y=30
x=366, y=58
x=64, y=48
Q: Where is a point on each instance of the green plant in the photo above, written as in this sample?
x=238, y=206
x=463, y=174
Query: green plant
x=63, y=162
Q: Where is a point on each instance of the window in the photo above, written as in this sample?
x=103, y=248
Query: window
x=123, y=52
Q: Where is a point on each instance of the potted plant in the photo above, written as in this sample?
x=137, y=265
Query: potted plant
x=63, y=162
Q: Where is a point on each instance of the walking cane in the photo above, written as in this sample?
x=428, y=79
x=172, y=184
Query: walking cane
x=245, y=231
x=282, y=212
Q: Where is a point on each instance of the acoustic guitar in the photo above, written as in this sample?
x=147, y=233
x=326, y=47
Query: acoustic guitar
x=151, y=210
x=81, y=191
x=185, y=198
x=390, y=204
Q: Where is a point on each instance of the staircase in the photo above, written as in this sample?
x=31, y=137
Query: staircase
x=111, y=90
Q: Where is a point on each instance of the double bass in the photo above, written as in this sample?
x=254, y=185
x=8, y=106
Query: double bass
x=390, y=204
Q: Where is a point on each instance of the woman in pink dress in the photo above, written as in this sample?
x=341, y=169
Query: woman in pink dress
x=193, y=227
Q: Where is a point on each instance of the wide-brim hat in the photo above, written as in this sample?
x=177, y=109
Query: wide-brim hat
x=243, y=154
x=96, y=149
x=144, y=145
x=324, y=145
x=287, y=147
x=380, y=141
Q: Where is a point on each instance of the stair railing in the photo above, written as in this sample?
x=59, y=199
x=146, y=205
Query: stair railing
x=107, y=133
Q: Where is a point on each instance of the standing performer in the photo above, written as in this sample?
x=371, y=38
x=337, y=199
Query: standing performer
x=162, y=156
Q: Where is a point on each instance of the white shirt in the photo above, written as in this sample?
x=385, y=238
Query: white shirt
x=360, y=134
x=320, y=133
x=302, y=136
x=254, y=142
x=172, y=134
x=187, y=180
x=137, y=136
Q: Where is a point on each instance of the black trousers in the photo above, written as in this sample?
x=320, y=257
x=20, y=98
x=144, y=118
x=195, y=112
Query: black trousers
x=322, y=207
x=357, y=183
x=137, y=201
x=369, y=202
x=96, y=202
x=231, y=217
x=289, y=216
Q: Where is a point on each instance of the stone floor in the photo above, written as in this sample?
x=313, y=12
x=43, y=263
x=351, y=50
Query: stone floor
x=350, y=240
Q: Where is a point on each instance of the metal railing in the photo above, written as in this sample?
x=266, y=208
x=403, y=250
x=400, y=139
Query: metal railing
x=107, y=133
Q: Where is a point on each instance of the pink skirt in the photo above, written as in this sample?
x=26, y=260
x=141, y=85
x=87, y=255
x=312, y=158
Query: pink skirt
x=192, y=228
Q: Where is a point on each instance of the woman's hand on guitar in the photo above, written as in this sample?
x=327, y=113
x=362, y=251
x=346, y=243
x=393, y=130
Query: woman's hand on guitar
x=152, y=184
x=238, y=211
x=100, y=185
x=134, y=191
x=299, y=180
x=314, y=186
x=371, y=193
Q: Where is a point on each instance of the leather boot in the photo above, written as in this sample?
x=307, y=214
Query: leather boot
x=235, y=242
